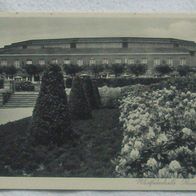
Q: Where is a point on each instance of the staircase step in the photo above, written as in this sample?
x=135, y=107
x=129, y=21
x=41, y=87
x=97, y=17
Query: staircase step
x=20, y=103
x=17, y=106
x=24, y=96
x=21, y=99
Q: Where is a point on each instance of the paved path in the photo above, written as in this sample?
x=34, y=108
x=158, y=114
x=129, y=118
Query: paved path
x=12, y=114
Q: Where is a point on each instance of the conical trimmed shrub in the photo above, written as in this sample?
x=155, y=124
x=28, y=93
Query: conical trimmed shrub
x=96, y=94
x=89, y=92
x=78, y=105
x=51, y=122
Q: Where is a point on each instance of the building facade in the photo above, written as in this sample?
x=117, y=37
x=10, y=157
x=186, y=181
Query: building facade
x=107, y=50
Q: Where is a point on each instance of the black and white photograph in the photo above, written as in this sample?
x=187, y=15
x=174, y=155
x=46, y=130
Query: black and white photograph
x=98, y=96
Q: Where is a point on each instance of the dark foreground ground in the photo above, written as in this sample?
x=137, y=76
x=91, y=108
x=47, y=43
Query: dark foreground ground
x=99, y=142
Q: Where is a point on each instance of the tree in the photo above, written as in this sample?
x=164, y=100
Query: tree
x=51, y=122
x=183, y=70
x=40, y=70
x=30, y=69
x=89, y=93
x=117, y=69
x=163, y=69
x=96, y=69
x=33, y=70
x=72, y=69
x=137, y=69
x=78, y=105
x=10, y=70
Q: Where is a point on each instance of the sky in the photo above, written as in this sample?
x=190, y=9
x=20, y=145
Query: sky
x=15, y=29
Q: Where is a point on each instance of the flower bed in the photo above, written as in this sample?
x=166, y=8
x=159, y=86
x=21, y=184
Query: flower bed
x=159, y=134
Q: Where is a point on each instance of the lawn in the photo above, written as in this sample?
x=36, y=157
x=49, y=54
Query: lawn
x=13, y=114
x=98, y=143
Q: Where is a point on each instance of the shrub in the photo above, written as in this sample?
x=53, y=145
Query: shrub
x=159, y=138
x=183, y=70
x=6, y=96
x=78, y=105
x=1, y=70
x=51, y=122
x=1, y=83
x=96, y=93
x=24, y=86
x=89, y=93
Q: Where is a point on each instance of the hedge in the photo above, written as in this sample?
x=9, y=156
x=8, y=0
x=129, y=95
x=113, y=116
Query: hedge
x=120, y=82
x=181, y=83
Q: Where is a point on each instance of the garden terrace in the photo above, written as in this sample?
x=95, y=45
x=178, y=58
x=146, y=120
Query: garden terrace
x=99, y=143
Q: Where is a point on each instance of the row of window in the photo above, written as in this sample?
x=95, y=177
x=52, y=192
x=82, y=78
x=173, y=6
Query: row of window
x=80, y=62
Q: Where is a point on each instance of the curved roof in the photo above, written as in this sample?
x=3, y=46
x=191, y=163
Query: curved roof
x=101, y=40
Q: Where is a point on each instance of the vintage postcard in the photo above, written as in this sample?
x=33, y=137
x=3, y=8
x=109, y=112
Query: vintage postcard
x=98, y=101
